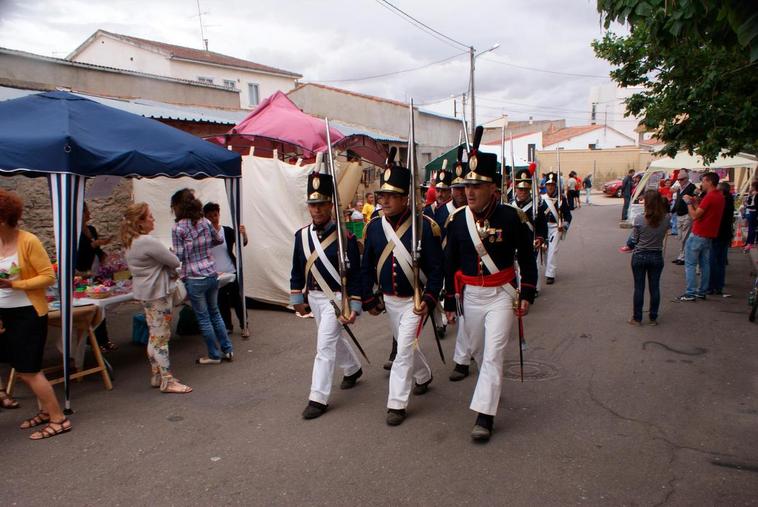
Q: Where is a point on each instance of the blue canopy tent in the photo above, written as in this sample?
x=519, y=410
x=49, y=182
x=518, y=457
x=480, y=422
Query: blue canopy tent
x=68, y=138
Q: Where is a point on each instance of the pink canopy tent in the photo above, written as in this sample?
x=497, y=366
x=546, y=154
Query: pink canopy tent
x=278, y=124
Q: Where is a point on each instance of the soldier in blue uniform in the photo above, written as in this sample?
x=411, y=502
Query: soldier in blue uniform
x=314, y=273
x=387, y=263
x=537, y=220
x=556, y=210
x=483, y=241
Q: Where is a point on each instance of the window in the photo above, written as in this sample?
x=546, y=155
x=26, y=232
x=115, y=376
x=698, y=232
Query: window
x=205, y=79
x=593, y=146
x=531, y=150
x=593, y=118
x=230, y=83
x=252, y=94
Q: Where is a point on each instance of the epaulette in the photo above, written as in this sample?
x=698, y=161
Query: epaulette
x=451, y=215
x=521, y=214
x=435, y=227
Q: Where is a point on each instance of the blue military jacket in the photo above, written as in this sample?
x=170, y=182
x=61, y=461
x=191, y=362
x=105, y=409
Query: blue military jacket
x=565, y=212
x=538, y=221
x=508, y=236
x=392, y=280
x=299, y=280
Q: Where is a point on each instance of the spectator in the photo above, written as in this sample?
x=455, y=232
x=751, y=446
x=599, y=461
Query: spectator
x=626, y=193
x=648, y=234
x=706, y=221
x=587, y=183
x=578, y=190
x=665, y=190
x=226, y=262
x=27, y=272
x=368, y=208
x=751, y=214
x=684, y=221
x=89, y=251
x=571, y=190
x=193, y=236
x=722, y=242
x=153, y=269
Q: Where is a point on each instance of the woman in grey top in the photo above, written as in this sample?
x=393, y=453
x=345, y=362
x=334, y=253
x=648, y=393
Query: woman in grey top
x=648, y=233
x=153, y=269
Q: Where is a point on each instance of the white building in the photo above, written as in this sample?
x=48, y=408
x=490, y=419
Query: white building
x=607, y=107
x=593, y=137
x=252, y=80
x=525, y=147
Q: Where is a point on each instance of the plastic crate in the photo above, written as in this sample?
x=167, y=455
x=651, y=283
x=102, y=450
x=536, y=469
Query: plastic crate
x=356, y=228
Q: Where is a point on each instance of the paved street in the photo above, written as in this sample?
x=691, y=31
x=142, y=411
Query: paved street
x=610, y=414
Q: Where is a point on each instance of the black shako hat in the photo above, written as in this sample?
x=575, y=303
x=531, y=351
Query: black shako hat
x=444, y=178
x=524, y=179
x=320, y=188
x=395, y=179
x=551, y=177
x=460, y=169
x=482, y=166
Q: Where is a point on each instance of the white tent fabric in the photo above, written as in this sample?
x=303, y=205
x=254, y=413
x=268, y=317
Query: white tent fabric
x=687, y=161
x=273, y=209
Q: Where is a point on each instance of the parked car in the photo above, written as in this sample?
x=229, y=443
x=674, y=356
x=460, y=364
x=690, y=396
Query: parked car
x=612, y=188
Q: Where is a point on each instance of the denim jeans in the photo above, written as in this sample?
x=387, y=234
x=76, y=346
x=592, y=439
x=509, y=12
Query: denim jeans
x=719, y=252
x=587, y=192
x=697, y=251
x=648, y=264
x=625, y=209
x=752, y=224
x=203, y=294
x=674, y=224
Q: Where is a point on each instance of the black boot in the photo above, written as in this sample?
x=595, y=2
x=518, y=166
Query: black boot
x=395, y=417
x=419, y=389
x=313, y=410
x=349, y=381
x=482, y=428
x=388, y=363
x=460, y=372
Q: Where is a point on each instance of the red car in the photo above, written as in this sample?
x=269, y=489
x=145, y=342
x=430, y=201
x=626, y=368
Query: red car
x=613, y=188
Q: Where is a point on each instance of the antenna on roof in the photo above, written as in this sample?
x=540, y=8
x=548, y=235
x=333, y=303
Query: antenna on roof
x=202, y=29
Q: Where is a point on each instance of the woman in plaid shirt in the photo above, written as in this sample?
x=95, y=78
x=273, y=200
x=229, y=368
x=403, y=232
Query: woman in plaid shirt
x=193, y=236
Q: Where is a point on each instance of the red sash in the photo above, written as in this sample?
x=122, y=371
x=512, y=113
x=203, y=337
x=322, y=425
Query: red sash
x=500, y=278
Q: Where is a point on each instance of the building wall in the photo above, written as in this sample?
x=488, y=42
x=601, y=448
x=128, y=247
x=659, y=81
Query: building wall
x=434, y=134
x=607, y=164
x=609, y=98
x=40, y=73
x=112, y=52
x=602, y=138
x=520, y=147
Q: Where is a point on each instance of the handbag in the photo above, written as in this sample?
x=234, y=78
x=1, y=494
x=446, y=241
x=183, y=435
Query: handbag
x=179, y=294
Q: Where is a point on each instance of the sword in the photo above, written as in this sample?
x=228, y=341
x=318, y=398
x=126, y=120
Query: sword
x=420, y=327
x=521, y=337
x=338, y=311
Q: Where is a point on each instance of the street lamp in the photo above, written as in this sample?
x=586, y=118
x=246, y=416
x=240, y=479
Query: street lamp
x=472, y=56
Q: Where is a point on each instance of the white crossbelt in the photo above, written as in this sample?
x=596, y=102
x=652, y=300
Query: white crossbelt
x=401, y=253
x=551, y=207
x=320, y=281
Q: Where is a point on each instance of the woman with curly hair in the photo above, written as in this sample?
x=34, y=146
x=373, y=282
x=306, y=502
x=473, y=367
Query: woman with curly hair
x=193, y=236
x=153, y=269
x=25, y=273
x=648, y=232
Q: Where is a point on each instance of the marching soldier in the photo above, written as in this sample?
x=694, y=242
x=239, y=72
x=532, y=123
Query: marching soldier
x=483, y=240
x=537, y=221
x=558, y=216
x=314, y=272
x=387, y=262
x=445, y=204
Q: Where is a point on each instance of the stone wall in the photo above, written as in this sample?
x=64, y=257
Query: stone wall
x=38, y=216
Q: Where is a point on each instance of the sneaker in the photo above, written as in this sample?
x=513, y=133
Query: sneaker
x=460, y=372
x=387, y=365
x=700, y=296
x=349, y=381
x=395, y=417
x=653, y=322
x=634, y=322
x=228, y=356
x=313, y=410
x=625, y=249
x=686, y=297
x=549, y=280
x=678, y=262
x=420, y=389
x=207, y=360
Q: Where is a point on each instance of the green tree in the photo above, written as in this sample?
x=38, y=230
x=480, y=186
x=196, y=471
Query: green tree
x=697, y=62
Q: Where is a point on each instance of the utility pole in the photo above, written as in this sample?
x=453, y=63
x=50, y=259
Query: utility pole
x=472, y=58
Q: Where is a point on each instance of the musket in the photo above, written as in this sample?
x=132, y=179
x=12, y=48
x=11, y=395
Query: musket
x=513, y=171
x=560, y=192
x=521, y=337
x=503, y=190
x=343, y=261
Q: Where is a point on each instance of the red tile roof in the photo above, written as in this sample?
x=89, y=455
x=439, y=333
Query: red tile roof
x=566, y=133
x=200, y=55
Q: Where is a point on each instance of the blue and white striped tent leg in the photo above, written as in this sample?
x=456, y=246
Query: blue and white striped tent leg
x=234, y=194
x=67, y=195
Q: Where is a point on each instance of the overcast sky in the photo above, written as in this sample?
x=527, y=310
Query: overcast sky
x=334, y=40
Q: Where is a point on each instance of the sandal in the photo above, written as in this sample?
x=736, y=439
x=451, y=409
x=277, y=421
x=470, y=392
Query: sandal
x=50, y=430
x=108, y=347
x=171, y=385
x=40, y=418
x=245, y=333
x=7, y=402
x=155, y=380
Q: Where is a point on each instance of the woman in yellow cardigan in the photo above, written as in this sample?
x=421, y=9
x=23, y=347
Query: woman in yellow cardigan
x=25, y=273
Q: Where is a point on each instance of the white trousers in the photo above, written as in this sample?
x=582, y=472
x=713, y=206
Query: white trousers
x=410, y=363
x=553, y=243
x=332, y=348
x=462, y=354
x=489, y=317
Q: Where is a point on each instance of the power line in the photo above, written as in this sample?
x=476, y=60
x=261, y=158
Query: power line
x=556, y=108
x=375, y=76
x=546, y=71
x=420, y=25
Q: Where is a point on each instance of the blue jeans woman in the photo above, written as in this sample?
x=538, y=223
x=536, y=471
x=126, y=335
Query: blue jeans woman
x=647, y=264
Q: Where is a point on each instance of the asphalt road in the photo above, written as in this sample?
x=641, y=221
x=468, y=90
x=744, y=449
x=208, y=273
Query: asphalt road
x=610, y=414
